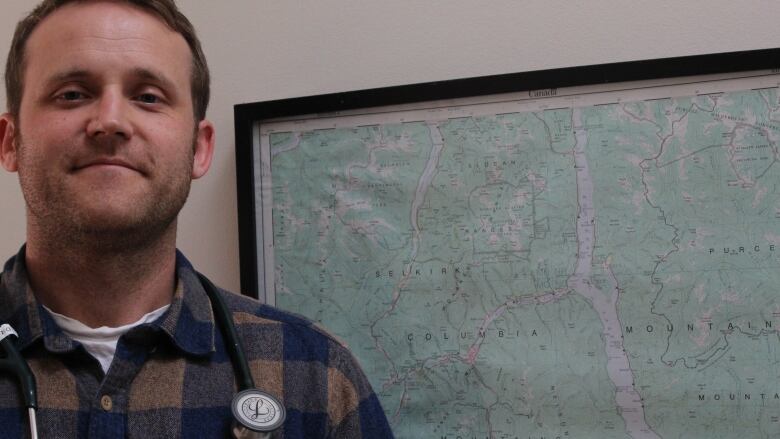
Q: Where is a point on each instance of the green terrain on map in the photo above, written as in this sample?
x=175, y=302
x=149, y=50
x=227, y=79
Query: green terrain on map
x=441, y=252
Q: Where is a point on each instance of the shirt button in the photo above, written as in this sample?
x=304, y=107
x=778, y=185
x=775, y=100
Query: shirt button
x=106, y=403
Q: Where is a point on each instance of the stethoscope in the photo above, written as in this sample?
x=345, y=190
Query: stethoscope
x=256, y=413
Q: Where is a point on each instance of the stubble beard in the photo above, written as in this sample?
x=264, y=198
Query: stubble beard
x=62, y=222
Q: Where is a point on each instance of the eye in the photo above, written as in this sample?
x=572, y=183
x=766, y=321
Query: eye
x=148, y=98
x=71, y=95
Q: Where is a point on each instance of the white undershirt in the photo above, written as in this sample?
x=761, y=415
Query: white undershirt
x=100, y=342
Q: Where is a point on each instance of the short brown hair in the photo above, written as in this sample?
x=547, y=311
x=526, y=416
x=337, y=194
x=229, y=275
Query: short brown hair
x=166, y=10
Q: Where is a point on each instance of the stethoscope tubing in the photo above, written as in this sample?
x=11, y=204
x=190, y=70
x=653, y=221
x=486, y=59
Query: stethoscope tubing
x=15, y=363
x=225, y=322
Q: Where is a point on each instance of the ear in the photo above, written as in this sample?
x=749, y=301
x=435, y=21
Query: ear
x=204, y=148
x=8, y=143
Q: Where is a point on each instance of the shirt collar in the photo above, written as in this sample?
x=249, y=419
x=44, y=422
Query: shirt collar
x=188, y=323
x=19, y=307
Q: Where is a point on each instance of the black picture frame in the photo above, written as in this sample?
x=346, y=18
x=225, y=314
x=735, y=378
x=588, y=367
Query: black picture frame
x=247, y=115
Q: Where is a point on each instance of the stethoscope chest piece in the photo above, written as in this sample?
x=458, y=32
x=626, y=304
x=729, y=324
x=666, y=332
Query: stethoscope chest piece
x=257, y=410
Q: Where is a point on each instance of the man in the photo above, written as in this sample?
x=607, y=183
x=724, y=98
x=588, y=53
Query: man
x=106, y=128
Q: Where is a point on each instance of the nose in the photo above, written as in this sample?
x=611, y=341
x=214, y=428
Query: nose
x=110, y=118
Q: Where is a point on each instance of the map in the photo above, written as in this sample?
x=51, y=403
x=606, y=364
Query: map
x=600, y=262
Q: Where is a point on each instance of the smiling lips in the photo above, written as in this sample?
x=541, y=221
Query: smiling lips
x=106, y=162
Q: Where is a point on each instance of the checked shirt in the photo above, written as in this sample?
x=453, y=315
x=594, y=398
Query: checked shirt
x=173, y=378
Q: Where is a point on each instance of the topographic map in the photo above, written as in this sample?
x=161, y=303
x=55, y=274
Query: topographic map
x=587, y=263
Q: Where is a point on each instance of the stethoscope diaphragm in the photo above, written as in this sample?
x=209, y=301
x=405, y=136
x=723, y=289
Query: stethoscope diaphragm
x=257, y=410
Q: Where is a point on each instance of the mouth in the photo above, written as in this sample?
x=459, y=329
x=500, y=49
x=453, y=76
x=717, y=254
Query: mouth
x=107, y=163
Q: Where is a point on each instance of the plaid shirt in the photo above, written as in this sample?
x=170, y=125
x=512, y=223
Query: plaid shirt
x=173, y=377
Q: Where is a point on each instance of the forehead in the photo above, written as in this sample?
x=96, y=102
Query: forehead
x=106, y=34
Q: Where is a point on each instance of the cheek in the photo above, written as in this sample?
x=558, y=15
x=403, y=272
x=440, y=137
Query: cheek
x=34, y=165
x=49, y=123
x=45, y=152
x=34, y=176
x=172, y=155
x=27, y=153
x=48, y=136
x=42, y=152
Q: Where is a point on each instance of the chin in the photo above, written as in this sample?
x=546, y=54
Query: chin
x=122, y=233
x=103, y=216
x=119, y=222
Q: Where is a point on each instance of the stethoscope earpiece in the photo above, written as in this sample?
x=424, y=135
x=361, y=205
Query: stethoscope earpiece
x=257, y=414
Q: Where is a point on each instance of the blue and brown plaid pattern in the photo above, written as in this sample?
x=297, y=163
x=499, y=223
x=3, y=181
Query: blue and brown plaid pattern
x=173, y=377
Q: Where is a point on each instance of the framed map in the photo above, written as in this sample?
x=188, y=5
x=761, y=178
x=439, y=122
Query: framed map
x=589, y=252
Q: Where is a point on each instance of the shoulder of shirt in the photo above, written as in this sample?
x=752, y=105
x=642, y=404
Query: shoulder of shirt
x=238, y=303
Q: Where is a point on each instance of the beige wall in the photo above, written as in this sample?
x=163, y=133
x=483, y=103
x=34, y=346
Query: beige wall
x=272, y=49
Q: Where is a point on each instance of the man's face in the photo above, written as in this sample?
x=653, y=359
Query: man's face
x=106, y=139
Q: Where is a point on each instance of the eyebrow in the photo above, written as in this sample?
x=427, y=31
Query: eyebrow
x=155, y=77
x=68, y=75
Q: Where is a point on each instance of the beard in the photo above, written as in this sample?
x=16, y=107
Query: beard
x=67, y=211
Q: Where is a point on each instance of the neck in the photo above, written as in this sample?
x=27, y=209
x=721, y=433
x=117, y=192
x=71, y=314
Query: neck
x=98, y=284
